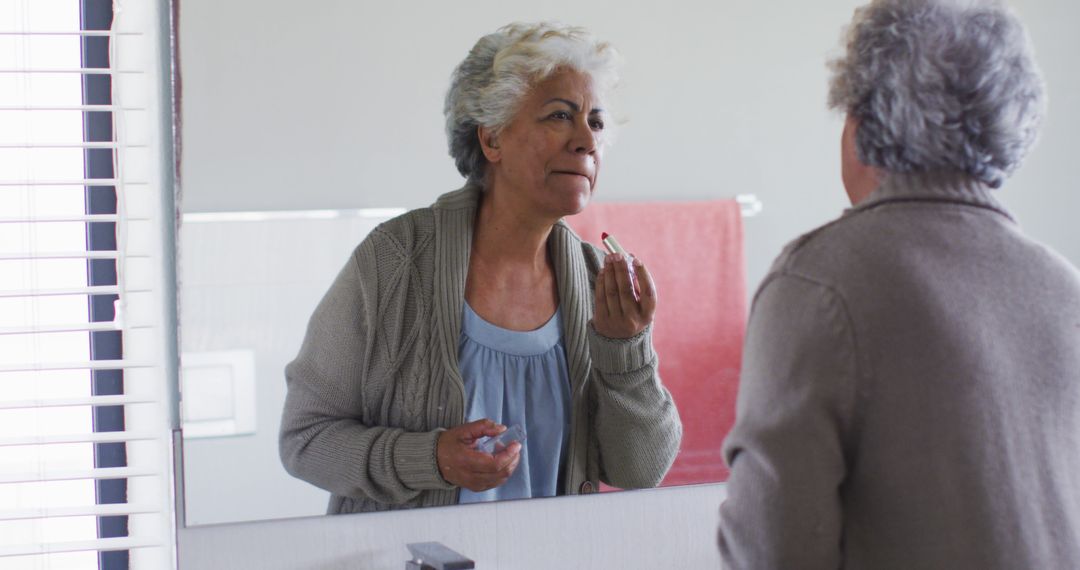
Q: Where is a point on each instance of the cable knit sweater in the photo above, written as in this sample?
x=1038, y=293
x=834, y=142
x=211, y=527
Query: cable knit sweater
x=377, y=376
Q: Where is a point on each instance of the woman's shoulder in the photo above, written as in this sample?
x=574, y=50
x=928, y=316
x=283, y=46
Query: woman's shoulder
x=464, y=198
x=411, y=237
x=417, y=227
x=406, y=227
x=400, y=238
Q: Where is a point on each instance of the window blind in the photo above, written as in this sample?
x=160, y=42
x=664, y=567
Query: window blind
x=87, y=305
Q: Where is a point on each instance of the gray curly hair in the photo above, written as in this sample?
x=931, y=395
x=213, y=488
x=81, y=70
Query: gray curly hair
x=940, y=85
x=487, y=88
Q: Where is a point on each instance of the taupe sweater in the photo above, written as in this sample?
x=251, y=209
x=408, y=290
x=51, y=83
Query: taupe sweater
x=910, y=394
x=377, y=376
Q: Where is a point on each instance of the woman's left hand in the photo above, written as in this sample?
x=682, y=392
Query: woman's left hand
x=620, y=311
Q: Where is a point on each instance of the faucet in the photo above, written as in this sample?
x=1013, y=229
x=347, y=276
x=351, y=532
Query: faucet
x=436, y=556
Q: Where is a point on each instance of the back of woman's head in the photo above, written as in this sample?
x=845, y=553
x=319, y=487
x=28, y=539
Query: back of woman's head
x=940, y=85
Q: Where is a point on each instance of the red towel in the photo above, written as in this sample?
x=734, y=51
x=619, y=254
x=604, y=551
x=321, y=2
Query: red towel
x=694, y=251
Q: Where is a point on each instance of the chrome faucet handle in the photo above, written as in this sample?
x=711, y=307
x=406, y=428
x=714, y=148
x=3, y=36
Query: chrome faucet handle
x=436, y=556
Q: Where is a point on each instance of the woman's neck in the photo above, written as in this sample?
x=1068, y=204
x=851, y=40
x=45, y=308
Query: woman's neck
x=506, y=235
x=511, y=280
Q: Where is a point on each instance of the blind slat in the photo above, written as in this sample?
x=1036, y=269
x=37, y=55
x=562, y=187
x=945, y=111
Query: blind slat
x=104, y=473
x=79, y=546
x=89, y=510
x=95, y=437
x=71, y=327
x=77, y=182
x=96, y=290
x=29, y=256
x=71, y=145
x=66, y=402
x=88, y=33
x=52, y=219
x=81, y=365
x=90, y=108
x=82, y=70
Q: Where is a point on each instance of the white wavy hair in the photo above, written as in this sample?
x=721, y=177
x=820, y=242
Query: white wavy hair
x=940, y=85
x=488, y=87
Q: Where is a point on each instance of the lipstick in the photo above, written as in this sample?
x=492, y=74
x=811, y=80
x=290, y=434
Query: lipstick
x=613, y=246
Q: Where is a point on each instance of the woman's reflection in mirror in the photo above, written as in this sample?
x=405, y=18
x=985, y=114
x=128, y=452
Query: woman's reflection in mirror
x=484, y=310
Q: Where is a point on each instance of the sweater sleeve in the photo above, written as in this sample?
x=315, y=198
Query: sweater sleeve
x=635, y=419
x=322, y=439
x=786, y=450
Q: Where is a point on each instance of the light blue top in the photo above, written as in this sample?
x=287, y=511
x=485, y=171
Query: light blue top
x=515, y=377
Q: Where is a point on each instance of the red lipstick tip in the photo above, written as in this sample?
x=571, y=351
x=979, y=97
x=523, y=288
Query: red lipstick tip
x=603, y=235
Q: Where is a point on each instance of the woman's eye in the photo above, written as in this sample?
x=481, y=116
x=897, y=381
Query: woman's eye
x=562, y=115
x=597, y=124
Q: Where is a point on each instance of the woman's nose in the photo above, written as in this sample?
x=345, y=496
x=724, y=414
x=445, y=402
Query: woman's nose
x=585, y=139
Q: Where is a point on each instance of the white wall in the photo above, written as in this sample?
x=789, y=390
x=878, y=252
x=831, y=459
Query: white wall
x=1044, y=195
x=259, y=304
x=339, y=105
x=336, y=104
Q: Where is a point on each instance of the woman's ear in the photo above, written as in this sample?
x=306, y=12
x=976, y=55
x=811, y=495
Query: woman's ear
x=859, y=179
x=489, y=143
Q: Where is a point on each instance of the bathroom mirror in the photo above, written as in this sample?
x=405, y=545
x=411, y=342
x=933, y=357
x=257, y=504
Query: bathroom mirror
x=305, y=125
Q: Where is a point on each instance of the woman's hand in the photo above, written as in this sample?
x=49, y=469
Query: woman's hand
x=621, y=310
x=461, y=464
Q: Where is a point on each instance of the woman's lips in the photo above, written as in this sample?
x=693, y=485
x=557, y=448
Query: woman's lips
x=568, y=173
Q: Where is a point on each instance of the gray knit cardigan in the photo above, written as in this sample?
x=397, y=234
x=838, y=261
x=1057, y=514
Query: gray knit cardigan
x=377, y=376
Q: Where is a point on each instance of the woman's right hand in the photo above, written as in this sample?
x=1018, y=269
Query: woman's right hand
x=621, y=309
x=461, y=464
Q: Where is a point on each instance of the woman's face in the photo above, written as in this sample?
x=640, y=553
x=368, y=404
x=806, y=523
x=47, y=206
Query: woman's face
x=547, y=158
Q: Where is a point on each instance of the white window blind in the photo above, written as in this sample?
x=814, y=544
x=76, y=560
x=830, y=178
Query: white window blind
x=86, y=303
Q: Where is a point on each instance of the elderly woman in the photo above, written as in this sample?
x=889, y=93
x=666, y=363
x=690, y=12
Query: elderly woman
x=484, y=311
x=910, y=393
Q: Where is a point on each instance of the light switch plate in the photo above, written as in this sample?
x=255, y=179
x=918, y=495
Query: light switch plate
x=217, y=393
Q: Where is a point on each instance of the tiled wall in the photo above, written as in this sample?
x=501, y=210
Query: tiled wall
x=252, y=285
